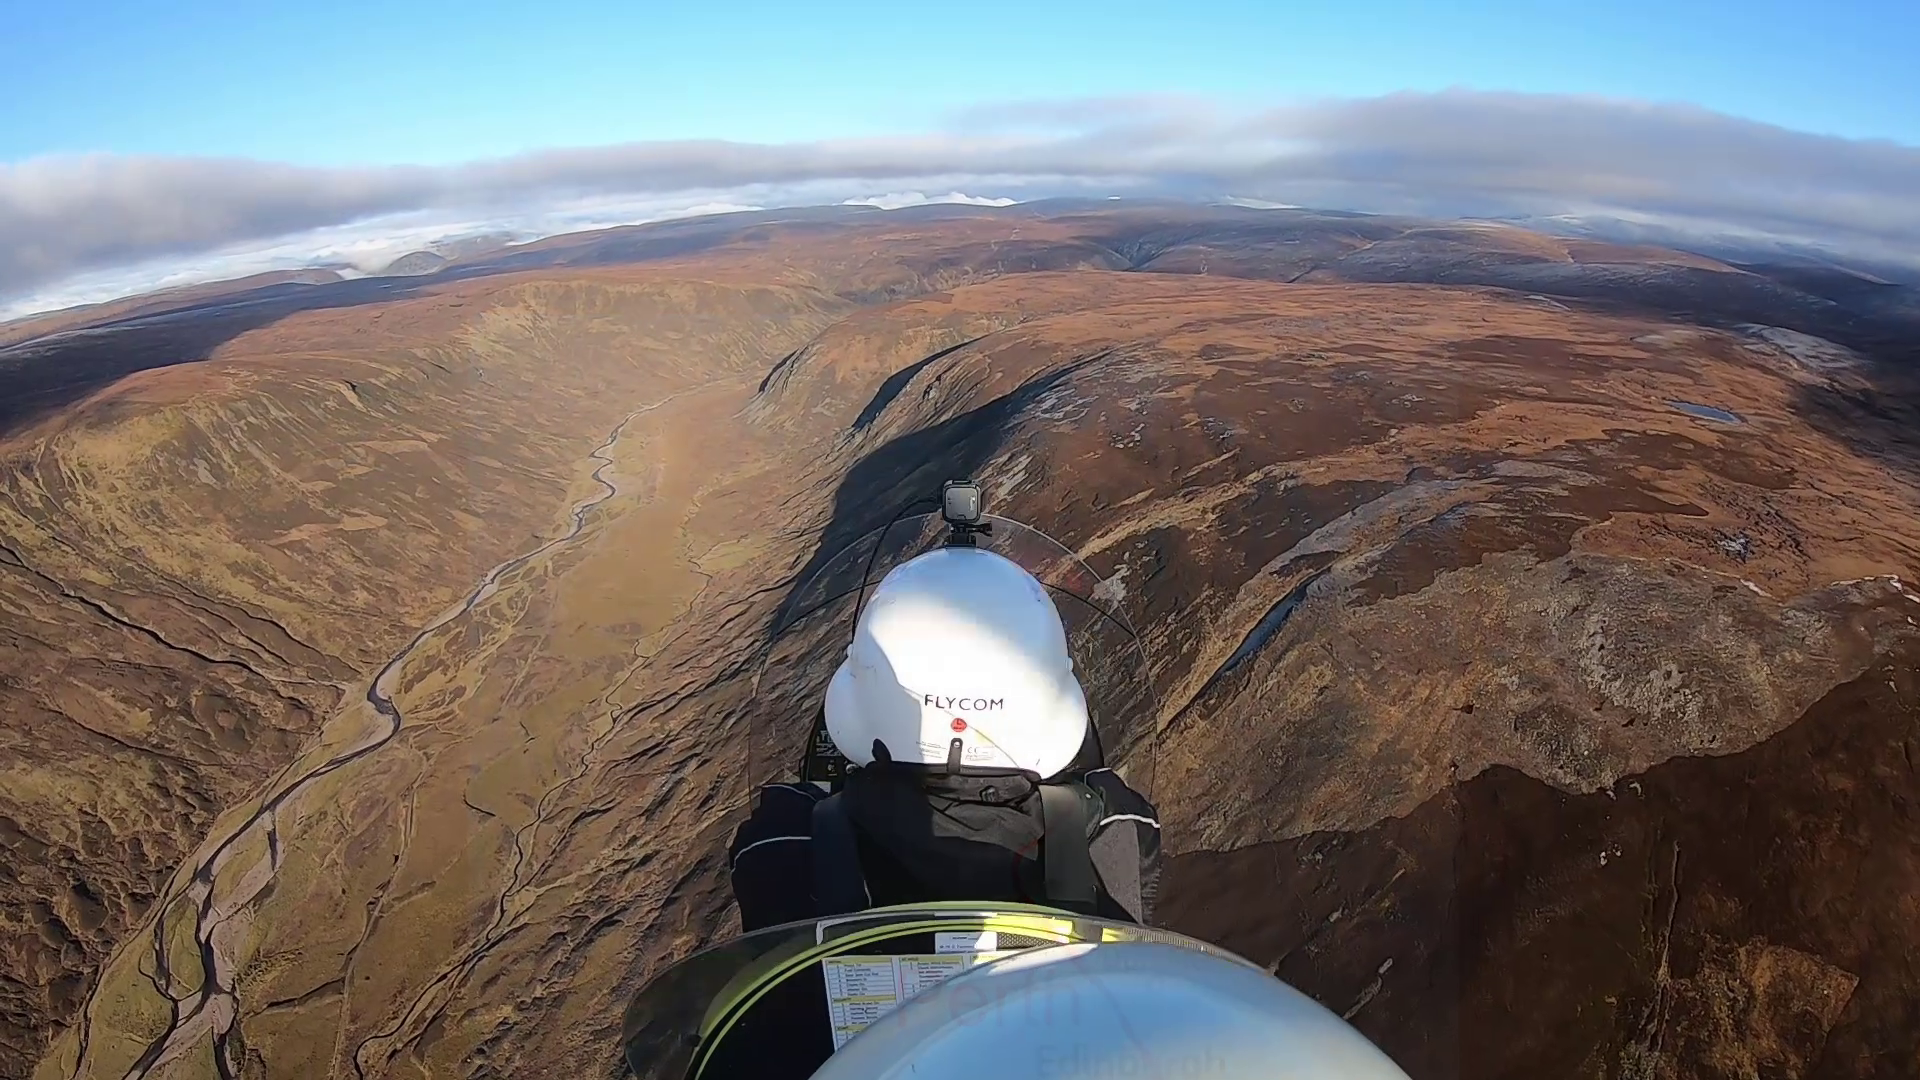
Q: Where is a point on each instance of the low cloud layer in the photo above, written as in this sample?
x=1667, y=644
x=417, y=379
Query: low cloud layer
x=82, y=227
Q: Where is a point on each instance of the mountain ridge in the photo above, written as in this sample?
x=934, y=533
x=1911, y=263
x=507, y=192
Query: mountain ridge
x=1437, y=468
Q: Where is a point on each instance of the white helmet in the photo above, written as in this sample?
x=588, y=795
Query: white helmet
x=959, y=644
x=1119, y=1010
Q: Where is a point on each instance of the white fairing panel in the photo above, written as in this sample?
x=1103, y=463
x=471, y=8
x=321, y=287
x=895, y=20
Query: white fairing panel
x=1118, y=1010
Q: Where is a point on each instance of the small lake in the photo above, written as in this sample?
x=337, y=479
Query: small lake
x=1707, y=412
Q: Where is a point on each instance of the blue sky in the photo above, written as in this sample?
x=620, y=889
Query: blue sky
x=150, y=144
x=350, y=83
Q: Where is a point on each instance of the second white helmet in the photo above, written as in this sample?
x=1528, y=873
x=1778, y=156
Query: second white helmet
x=959, y=644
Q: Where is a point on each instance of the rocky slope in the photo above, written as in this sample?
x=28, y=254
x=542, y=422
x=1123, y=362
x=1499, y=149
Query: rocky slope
x=1530, y=643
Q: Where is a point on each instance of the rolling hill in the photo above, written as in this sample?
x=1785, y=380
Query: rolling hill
x=1531, y=621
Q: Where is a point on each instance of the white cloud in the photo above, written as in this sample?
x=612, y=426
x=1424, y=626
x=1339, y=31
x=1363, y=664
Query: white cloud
x=900, y=199
x=355, y=249
x=1258, y=204
x=74, y=227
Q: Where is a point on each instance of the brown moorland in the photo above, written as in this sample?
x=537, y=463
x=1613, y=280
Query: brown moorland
x=376, y=664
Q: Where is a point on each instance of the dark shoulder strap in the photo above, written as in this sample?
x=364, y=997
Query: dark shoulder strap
x=839, y=888
x=1064, y=810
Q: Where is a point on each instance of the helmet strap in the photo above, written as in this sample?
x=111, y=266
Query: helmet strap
x=953, y=756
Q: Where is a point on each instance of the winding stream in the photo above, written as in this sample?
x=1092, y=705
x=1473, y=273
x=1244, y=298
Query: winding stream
x=212, y=1010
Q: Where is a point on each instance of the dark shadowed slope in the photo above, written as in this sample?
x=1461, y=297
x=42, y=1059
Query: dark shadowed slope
x=1721, y=917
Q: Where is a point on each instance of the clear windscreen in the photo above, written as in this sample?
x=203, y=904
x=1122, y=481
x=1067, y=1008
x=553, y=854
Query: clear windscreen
x=680, y=1023
x=812, y=633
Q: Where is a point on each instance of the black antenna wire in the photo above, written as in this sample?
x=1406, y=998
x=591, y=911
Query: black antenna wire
x=867, y=573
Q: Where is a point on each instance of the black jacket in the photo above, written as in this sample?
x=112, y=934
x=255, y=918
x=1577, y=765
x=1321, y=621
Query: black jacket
x=928, y=837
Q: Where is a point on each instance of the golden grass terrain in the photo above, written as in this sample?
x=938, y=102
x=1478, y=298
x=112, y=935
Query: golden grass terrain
x=1467, y=642
x=200, y=560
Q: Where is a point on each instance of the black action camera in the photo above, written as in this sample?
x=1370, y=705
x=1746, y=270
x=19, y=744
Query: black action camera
x=963, y=506
x=961, y=502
